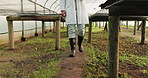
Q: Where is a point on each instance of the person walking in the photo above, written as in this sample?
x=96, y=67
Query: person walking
x=75, y=14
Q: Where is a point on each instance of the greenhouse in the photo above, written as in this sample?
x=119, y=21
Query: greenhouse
x=73, y=39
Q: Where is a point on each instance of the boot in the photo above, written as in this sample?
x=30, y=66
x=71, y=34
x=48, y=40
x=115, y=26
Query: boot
x=80, y=39
x=72, y=45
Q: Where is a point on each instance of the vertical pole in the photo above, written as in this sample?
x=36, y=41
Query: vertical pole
x=54, y=27
x=96, y=24
x=43, y=28
x=85, y=28
x=105, y=28
x=93, y=24
x=57, y=47
x=23, y=34
x=11, y=35
x=100, y=25
x=90, y=32
x=67, y=31
x=44, y=13
x=22, y=6
x=114, y=22
x=120, y=22
x=127, y=24
x=36, y=32
x=137, y=23
x=22, y=29
x=63, y=24
x=135, y=27
x=143, y=32
x=50, y=26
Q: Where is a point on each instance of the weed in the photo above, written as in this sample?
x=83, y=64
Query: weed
x=48, y=71
x=135, y=60
x=96, y=60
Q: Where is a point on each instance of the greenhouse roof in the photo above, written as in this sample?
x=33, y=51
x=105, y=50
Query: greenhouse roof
x=12, y=7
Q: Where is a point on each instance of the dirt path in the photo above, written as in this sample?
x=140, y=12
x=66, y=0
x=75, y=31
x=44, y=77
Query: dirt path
x=72, y=67
x=134, y=36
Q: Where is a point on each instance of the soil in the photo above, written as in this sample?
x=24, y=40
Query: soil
x=72, y=67
x=135, y=71
x=134, y=36
x=133, y=47
x=131, y=31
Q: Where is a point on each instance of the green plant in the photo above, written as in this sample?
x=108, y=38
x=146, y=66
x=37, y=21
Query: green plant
x=48, y=71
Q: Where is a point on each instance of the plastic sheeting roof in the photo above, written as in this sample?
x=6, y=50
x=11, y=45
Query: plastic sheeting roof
x=11, y=7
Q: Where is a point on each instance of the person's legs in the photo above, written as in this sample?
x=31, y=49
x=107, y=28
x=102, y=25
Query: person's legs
x=71, y=31
x=81, y=30
x=72, y=37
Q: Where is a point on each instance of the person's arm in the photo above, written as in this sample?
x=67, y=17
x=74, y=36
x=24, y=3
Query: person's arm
x=63, y=7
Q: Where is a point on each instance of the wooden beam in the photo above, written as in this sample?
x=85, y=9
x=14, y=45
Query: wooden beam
x=90, y=32
x=110, y=3
x=129, y=11
x=57, y=46
x=31, y=18
x=143, y=32
x=139, y=26
x=113, y=67
x=43, y=28
x=11, y=35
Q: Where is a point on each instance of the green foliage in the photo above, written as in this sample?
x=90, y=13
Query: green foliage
x=48, y=70
x=135, y=60
x=34, y=58
x=125, y=75
x=128, y=26
x=96, y=60
x=94, y=29
x=130, y=53
x=65, y=43
x=145, y=71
